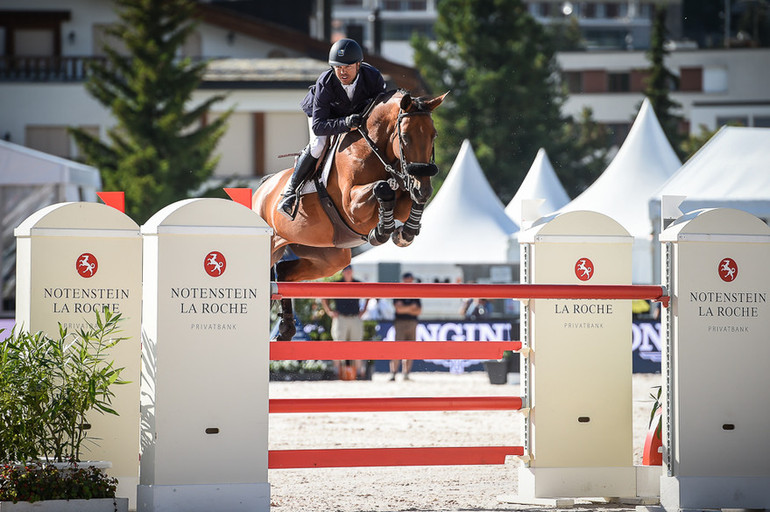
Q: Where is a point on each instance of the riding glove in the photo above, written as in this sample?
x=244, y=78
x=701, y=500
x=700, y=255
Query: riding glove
x=353, y=121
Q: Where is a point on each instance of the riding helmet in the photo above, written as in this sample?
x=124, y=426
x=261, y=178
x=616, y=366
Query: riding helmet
x=345, y=52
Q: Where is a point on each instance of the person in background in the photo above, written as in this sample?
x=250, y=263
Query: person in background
x=405, y=324
x=347, y=324
x=476, y=309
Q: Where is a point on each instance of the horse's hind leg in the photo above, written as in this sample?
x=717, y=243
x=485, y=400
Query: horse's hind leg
x=286, y=327
x=313, y=263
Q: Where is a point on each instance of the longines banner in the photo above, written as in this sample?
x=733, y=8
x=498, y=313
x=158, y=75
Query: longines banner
x=645, y=341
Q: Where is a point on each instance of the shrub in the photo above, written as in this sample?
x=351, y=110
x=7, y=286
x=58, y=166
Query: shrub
x=38, y=482
x=49, y=385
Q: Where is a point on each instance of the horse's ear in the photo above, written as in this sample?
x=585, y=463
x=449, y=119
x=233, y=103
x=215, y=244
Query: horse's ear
x=435, y=102
x=406, y=101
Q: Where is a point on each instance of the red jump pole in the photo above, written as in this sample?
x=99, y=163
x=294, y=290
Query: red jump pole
x=339, y=350
x=395, y=404
x=371, y=457
x=337, y=290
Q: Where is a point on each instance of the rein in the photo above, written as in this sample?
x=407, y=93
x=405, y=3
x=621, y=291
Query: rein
x=403, y=177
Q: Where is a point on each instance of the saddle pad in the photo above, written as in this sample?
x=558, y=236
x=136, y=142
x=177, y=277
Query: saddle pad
x=309, y=186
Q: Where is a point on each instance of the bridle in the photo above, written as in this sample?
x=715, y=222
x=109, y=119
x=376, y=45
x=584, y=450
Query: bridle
x=404, y=176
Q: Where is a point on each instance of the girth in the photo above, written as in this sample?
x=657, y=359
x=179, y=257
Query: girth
x=344, y=236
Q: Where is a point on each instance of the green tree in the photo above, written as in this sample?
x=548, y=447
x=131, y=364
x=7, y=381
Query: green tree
x=506, y=96
x=159, y=150
x=661, y=81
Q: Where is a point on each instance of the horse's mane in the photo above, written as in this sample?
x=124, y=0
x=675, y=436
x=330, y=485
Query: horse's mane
x=385, y=97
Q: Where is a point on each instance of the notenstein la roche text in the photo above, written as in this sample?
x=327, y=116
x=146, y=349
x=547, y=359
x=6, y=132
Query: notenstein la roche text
x=217, y=301
x=85, y=300
x=728, y=304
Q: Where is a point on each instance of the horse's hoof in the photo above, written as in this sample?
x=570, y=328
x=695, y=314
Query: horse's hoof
x=400, y=238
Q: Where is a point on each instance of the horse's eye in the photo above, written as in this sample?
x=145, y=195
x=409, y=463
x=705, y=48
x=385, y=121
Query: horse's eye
x=406, y=138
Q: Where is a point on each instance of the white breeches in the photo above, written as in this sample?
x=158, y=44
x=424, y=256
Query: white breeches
x=317, y=142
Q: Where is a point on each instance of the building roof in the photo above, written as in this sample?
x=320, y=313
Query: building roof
x=401, y=76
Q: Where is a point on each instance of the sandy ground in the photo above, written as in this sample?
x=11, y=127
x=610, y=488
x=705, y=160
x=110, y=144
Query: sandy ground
x=426, y=488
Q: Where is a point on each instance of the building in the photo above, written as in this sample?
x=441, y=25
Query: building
x=717, y=85
x=385, y=26
x=265, y=68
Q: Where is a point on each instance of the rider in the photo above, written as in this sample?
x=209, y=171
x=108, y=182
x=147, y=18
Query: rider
x=332, y=106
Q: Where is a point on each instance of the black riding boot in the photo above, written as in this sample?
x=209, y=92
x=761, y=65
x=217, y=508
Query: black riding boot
x=302, y=171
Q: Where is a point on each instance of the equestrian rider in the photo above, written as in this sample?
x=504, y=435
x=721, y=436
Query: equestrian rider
x=332, y=106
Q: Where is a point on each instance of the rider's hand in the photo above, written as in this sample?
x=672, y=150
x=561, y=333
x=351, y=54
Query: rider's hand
x=353, y=121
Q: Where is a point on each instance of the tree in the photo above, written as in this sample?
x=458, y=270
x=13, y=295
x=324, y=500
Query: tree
x=661, y=81
x=506, y=96
x=158, y=151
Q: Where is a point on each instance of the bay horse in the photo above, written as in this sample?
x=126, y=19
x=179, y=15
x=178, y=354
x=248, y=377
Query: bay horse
x=379, y=173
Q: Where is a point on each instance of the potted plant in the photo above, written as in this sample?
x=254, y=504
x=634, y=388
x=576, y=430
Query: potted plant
x=48, y=387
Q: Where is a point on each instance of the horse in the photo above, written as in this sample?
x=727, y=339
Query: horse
x=380, y=172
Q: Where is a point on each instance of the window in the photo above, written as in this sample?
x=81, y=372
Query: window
x=618, y=82
x=714, y=80
x=762, y=121
x=402, y=31
x=691, y=79
x=733, y=120
x=574, y=81
x=53, y=140
x=611, y=10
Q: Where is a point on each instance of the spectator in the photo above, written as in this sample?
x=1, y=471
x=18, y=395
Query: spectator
x=405, y=324
x=347, y=324
x=476, y=309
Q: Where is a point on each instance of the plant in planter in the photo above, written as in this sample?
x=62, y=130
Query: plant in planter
x=48, y=386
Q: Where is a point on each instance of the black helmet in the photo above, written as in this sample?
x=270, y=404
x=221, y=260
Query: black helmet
x=345, y=52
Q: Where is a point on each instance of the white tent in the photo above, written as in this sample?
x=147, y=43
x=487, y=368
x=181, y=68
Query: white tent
x=30, y=180
x=731, y=171
x=643, y=163
x=541, y=182
x=464, y=223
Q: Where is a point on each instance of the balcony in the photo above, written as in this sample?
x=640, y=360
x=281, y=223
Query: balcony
x=15, y=68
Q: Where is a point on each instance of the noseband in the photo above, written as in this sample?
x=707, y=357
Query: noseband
x=405, y=176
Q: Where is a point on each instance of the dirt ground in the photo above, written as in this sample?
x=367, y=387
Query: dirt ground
x=424, y=488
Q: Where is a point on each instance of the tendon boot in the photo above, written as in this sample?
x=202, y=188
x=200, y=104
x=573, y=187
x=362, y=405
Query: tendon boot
x=302, y=171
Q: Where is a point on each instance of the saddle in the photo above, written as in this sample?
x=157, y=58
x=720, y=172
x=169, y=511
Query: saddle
x=344, y=236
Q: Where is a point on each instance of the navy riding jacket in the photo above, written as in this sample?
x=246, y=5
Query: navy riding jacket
x=328, y=104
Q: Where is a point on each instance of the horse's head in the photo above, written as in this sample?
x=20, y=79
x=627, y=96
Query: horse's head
x=410, y=133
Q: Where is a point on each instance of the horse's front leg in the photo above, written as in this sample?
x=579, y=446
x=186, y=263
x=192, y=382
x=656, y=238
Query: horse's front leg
x=386, y=203
x=404, y=234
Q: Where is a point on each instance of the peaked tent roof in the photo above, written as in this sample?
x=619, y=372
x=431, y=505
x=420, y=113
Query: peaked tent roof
x=465, y=222
x=643, y=163
x=730, y=170
x=541, y=182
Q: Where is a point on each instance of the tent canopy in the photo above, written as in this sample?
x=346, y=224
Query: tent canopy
x=20, y=165
x=464, y=223
x=541, y=182
x=730, y=170
x=643, y=163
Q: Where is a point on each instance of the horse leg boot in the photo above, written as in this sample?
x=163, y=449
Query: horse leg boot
x=286, y=328
x=404, y=235
x=302, y=171
x=386, y=197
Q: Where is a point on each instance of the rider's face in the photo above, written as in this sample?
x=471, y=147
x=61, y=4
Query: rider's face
x=346, y=74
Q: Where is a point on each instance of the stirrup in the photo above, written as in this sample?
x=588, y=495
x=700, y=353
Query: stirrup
x=289, y=205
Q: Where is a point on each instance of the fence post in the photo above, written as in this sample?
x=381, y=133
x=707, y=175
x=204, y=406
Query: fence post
x=577, y=375
x=205, y=359
x=715, y=357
